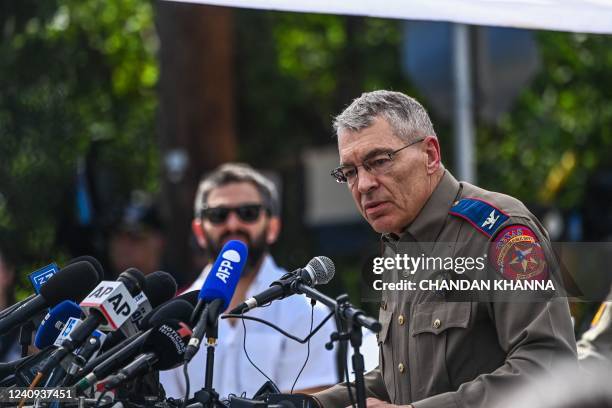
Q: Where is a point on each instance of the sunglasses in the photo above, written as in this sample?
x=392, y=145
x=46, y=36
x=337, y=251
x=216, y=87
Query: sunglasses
x=247, y=213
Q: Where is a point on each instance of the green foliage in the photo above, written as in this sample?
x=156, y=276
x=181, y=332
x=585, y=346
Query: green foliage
x=71, y=73
x=295, y=71
x=567, y=109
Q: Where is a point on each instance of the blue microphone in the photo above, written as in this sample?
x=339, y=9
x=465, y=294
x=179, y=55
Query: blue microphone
x=224, y=275
x=217, y=290
x=54, y=322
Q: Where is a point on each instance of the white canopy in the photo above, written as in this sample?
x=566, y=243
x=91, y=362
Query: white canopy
x=587, y=16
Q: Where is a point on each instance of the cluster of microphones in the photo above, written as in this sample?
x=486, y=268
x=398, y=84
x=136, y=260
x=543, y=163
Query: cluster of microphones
x=101, y=336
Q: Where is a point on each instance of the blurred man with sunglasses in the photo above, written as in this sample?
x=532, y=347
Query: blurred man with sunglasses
x=237, y=202
x=445, y=347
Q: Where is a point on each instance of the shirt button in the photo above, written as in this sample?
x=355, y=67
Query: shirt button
x=436, y=323
x=400, y=320
x=401, y=368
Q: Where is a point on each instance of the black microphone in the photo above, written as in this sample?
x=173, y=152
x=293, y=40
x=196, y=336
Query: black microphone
x=110, y=361
x=71, y=283
x=107, y=304
x=160, y=287
x=9, y=368
x=319, y=270
x=165, y=347
x=93, y=261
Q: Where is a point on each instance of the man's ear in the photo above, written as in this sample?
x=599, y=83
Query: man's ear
x=434, y=157
x=274, y=227
x=198, y=231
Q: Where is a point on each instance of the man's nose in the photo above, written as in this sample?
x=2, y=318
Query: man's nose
x=366, y=182
x=233, y=222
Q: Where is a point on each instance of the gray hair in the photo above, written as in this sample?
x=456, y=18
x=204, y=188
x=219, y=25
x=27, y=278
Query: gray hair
x=237, y=173
x=406, y=116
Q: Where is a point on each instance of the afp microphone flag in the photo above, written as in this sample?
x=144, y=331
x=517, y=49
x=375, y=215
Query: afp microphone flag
x=225, y=273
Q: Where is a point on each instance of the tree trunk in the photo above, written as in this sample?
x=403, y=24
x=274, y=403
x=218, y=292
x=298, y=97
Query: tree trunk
x=196, y=116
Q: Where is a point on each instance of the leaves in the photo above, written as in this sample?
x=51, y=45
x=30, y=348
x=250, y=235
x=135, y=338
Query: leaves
x=72, y=73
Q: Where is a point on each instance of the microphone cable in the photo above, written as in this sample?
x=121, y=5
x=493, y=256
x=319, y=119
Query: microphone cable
x=246, y=353
x=186, y=375
x=312, y=305
x=278, y=329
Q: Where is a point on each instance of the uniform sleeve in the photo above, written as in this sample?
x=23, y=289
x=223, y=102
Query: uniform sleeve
x=337, y=396
x=321, y=368
x=535, y=335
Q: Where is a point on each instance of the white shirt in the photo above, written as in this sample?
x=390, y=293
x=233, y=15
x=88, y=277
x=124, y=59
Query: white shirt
x=277, y=356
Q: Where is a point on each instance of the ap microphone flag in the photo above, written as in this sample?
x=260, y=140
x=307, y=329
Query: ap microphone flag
x=225, y=273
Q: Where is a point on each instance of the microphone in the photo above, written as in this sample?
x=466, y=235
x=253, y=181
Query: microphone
x=73, y=283
x=232, y=256
x=94, y=262
x=218, y=289
x=160, y=287
x=319, y=270
x=164, y=349
x=105, y=364
x=54, y=322
x=108, y=306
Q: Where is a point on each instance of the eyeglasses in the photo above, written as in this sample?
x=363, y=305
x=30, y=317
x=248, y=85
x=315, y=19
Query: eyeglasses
x=248, y=213
x=377, y=165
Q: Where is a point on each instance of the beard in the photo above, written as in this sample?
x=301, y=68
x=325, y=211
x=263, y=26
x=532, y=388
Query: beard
x=258, y=247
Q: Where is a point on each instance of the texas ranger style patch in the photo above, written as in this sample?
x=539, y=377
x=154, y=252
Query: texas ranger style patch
x=516, y=253
x=482, y=215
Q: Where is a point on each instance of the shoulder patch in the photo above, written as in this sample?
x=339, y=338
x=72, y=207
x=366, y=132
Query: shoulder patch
x=516, y=254
x=482, y=215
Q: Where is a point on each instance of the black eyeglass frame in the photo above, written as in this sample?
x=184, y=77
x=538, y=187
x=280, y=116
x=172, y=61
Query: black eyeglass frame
x=234, y=209
x=339, y=176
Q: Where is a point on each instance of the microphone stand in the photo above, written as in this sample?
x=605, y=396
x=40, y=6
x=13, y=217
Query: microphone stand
x=207, y=396
x=356, y=319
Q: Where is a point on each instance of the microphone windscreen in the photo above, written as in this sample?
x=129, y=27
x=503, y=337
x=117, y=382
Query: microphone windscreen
x=224, y=275
x=191, y=297
x=54, y=322
x=322, y=268
x=169, y=341
x=136, y=278
x=74, y=282
x=174, y=309
x=93, y=261
x=160, y=287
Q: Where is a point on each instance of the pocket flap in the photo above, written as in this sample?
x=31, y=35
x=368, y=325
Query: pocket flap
x=435, y=317
x=384, y=317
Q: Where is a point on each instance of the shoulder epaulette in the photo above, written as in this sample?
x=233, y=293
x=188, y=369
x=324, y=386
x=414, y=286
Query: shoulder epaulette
x=482, y=215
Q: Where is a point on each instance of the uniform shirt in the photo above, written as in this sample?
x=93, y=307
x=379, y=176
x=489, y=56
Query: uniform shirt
x=279, y=357
x=438, y=353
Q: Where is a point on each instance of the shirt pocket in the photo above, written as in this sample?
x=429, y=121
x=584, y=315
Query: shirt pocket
x=434, y=327
x=385, y=351
x=384, y=318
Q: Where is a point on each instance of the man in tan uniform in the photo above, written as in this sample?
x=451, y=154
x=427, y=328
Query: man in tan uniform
x=436, y=351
